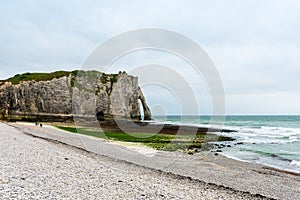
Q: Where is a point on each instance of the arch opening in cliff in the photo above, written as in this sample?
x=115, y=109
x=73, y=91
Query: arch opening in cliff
x=146, y=110
x=142, y=115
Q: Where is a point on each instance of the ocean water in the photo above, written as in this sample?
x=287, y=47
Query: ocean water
x=270, y=140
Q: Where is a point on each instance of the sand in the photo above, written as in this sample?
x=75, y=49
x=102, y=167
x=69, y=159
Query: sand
x=50, y=163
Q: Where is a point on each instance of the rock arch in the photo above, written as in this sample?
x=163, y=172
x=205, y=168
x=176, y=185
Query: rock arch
x=147, y=113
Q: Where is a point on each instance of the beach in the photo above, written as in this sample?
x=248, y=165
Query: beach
x=45, y=162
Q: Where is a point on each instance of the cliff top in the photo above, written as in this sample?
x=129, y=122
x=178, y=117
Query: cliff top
x=48, y=76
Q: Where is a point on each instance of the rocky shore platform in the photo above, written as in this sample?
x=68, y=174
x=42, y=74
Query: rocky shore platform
x=48, y=163
x=114, y=125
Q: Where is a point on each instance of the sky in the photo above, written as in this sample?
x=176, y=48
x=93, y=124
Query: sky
x=255, y=45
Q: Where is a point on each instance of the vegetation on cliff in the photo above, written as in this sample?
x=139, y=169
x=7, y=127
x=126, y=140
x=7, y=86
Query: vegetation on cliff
x=58, y=74
x=38, y=76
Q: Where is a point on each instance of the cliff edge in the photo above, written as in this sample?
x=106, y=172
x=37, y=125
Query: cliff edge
x=59, y=96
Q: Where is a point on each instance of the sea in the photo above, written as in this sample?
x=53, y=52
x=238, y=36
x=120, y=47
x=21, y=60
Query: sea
x=266, y=139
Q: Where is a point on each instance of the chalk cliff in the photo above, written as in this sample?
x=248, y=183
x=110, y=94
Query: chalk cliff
x=58, y=96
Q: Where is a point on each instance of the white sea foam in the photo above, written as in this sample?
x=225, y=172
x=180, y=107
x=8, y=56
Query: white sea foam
x=265, y=135
x=258, y=135
x=295, y=163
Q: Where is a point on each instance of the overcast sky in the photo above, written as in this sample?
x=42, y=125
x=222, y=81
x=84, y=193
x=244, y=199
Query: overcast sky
x=255, y=45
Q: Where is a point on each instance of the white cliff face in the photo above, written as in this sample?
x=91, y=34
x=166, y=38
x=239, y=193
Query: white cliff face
x=36, y=97
x=124, y=97
x=87, y=94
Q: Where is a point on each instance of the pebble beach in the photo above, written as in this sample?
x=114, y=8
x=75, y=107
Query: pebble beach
x=38, y=165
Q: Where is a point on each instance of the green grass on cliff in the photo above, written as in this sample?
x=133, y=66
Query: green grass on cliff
x=158, y=141
x=38, y=76
x=91, y=75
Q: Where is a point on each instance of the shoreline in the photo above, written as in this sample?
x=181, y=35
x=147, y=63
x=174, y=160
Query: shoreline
x=205, y=166
x=140, y=147
x=265, y=165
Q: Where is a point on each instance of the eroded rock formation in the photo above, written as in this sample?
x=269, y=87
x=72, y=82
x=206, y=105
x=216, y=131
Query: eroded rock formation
x=80, y=93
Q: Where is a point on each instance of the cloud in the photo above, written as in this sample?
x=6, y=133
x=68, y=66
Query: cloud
x=258, y=68
x=277, y=103
x=254, y=44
